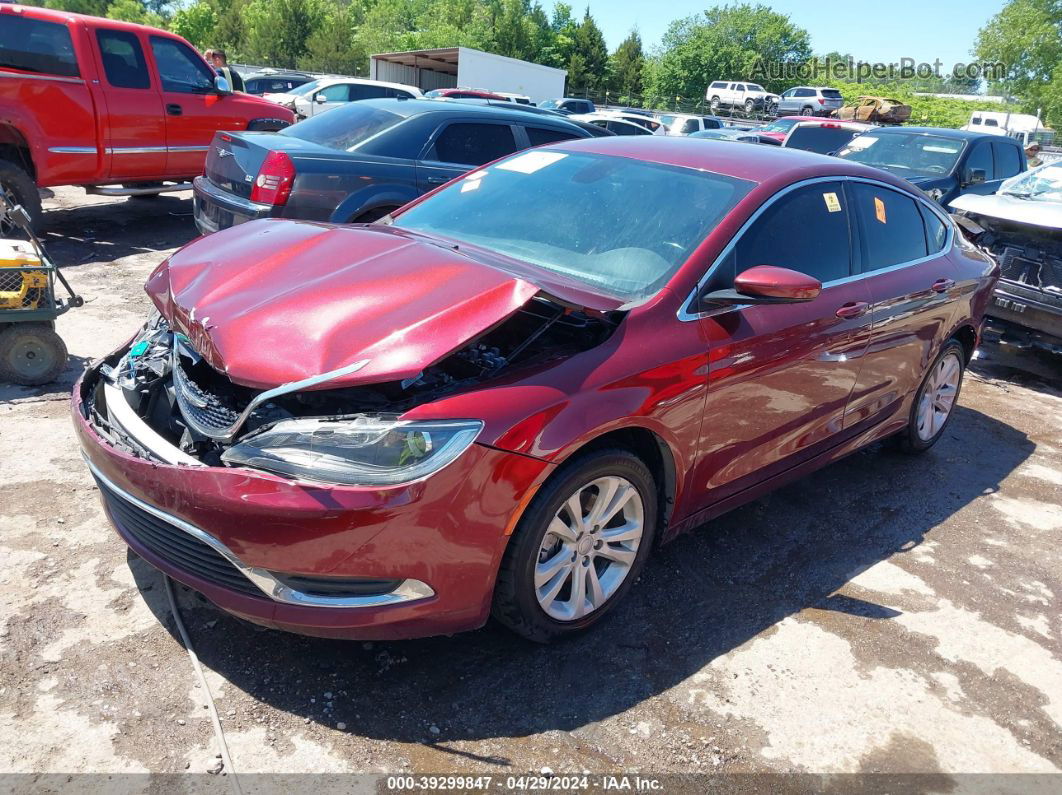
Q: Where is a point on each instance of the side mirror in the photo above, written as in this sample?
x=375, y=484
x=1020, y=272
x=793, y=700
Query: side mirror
x=767, y=284
x=221, y=85
x=976, y=176
x=320, y=99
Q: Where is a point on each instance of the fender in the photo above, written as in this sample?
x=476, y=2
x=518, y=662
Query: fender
x=383, y=195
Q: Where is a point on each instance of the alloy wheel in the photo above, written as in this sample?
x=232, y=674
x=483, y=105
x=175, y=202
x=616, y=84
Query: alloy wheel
x=589, y=548
x=938, y=396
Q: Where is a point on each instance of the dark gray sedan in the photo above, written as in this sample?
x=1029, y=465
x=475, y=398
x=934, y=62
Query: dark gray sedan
x=361, y=161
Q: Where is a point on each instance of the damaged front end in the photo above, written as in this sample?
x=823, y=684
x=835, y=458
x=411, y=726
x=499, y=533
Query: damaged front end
x=158, y=399
x=1026, y=307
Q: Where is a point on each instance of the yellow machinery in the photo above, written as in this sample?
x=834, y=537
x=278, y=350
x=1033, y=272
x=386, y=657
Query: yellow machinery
x=31, y=353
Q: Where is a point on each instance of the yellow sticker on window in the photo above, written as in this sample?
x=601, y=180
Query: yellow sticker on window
x=832, y=204
x=879, y=209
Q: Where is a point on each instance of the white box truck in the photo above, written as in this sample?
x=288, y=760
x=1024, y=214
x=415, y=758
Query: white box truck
x=453, y=67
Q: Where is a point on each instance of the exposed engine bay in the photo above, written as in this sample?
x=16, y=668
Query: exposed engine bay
x=1027, y=254
x=196, y=409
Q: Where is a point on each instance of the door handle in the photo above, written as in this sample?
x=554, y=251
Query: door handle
x=174, y=109
x=437, y=180
x=943, y=285
x=853, y=309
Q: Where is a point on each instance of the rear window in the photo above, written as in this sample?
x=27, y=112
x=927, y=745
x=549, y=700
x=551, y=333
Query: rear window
x=819, y=139
x=33, y=45
x=831, y=93
x=345, y=128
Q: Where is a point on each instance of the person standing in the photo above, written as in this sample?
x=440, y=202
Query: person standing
x=1032, y=155
x=221, y=65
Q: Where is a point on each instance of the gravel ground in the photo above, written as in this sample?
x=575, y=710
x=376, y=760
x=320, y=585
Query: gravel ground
x=887, y=614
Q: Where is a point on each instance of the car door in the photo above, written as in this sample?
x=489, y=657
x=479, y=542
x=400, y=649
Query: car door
x=978, y=162
x=1007, y=158
x=780, y=375
x=460, y=146
x=902, y=247
x=135, y=133
x=330, y=98
x=786, y=103
x=194, y=109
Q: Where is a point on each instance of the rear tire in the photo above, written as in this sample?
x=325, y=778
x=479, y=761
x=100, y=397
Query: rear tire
x=807, y=111
x=31, y=354
x=19, y=188
x=714, y=104
x=934, y=403
x=749, y=107
x=562, y=574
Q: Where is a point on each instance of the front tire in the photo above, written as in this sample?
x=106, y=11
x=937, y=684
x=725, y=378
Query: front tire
x=935, y=400
x=580, y=545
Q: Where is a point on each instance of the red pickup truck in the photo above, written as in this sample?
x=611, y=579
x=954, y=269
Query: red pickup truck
x=121, y=109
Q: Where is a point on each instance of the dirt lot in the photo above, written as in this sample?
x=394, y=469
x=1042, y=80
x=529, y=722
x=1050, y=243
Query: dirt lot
x=887, y=614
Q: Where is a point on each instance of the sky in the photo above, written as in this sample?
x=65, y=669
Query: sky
x=874, y=32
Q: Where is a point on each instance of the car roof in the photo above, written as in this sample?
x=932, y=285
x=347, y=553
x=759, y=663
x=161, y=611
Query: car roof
x=943, y=132
x=767, y=165
x=422, y=105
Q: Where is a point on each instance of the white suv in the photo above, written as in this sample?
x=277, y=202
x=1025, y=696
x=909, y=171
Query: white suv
x=744, y=96
x=334, y=93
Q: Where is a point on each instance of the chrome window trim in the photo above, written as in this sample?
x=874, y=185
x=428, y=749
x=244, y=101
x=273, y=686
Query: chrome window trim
x=685, y=314
x=408, y=590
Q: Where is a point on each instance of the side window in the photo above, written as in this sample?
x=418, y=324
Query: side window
x=936, y=231
x=892, y=229
x=341, y=92
x=180, y=69
x=540, y=135
x=34, y=45
x=980, y=158
x=689, y=126
x=991, y=123
x=359, y=91
x=805, y=230
x=713, y=124
x=474, y=144
x=1008, y=163
x=123, y=59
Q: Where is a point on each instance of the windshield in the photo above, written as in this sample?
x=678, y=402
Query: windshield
x=907, y=154
x=780, y=126
x=305, y=88
x=1040, y=184
x=753, y=87
x=347, y=127
x=549, y=103
x=575, y=214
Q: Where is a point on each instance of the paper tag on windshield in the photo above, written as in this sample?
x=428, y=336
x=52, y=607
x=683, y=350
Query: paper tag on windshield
x=530, y=162
x=879, y=209
x=832, y=204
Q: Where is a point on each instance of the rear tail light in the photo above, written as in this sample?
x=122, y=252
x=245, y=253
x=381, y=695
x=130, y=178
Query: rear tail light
x=822, y=101
x=274, y=180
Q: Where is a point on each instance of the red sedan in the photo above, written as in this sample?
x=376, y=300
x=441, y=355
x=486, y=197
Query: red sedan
x=500, y=399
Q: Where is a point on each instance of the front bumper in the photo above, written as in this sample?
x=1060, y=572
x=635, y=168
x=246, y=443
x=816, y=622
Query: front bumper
x=442, y=538
x=215, y=209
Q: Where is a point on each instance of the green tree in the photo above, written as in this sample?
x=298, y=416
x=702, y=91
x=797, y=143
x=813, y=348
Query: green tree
x=135, y=11
x=590, y=47
x=331, y=47
x=726, y=42
x=277, y=31
x=627, y=67
x=1026, y=36
x=197, y=23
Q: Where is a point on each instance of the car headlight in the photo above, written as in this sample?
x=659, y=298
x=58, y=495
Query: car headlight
x=362, y=451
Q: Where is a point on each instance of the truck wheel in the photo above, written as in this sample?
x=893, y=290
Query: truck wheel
x=31, y=354
x=18, y=188
x=714, y=104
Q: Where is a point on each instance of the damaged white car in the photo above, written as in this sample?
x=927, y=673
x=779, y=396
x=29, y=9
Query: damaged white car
x=1021, y=227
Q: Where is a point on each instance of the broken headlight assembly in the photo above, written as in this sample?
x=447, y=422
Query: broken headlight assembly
x=360, y=451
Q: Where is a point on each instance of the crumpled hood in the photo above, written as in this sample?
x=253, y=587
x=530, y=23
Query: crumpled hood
x=271, y=302
x=1047, y=214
